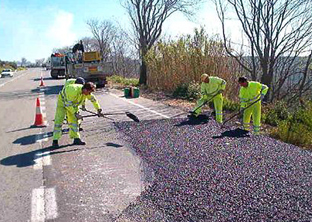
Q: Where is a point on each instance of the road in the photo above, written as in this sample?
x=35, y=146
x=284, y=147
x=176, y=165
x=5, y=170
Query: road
x=161, y=169
x=74, y=183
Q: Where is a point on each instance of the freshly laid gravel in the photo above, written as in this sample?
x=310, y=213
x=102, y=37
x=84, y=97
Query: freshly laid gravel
x=205, y=173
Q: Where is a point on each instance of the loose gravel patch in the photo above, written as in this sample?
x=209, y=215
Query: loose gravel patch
x=205, y=173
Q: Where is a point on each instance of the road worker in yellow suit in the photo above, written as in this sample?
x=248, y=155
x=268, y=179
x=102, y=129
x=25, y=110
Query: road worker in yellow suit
x=70, y=98
x=81, y=81
x=212, y=87
x=250, y=92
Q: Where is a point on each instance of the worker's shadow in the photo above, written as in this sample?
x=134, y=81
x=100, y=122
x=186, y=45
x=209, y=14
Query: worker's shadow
x=29, y=159
x=201, y=119
x=236, y=133
x=31, y=139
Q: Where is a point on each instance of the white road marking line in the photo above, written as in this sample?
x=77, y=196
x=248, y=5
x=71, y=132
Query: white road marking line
x=37, y=205
x=41, y=158
x=142, y=107
x=13, y=79
x=43, y=204
x=50, y=204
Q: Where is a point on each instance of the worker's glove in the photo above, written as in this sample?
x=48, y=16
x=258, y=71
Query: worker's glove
x=100, y=114
x=83, y=108
x=78, y=116
x=262, y=97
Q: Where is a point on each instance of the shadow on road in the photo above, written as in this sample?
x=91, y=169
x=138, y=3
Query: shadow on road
x=236, y=133
x=17, y=94
x=28, y=159
x=31, y=139
x=201, y=119
x=46, y=78
x=49, y=90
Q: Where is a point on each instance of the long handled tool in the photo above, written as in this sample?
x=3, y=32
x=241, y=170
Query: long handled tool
x=241, y=111
x=128, y=114
x=197, y=107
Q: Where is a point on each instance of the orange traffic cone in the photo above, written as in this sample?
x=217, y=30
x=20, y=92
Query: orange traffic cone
x=39, y=121
x=42, y=83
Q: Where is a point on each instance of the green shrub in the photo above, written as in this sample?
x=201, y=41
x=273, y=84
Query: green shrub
x=193, y=91
x=123, y=81
x=181, y=91
x=296, y=128
x=230, y=105
x=189, y=91
x=293, y=132
x=276, y=113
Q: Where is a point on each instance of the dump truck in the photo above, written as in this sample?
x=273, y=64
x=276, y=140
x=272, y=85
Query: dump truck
x=58, y=65
x=89, y=66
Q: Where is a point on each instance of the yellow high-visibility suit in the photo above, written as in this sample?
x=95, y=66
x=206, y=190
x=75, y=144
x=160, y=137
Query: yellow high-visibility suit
x=248, y=95
x=208, y=90
x=69, y=99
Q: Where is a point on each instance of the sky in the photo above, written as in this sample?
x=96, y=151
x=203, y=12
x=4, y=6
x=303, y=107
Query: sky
x=33, y=28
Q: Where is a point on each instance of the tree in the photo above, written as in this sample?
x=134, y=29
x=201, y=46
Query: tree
x=104, y=33
x=89, y=44
x=39, y=62
x=278, y=32
x=148, y=17
x=23, y=61
x=63, y=50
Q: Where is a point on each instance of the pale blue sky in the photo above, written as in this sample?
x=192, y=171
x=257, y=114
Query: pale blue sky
x=32, y=28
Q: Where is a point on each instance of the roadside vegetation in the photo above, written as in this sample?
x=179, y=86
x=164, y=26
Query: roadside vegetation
x=175, y=67
x=122, y=81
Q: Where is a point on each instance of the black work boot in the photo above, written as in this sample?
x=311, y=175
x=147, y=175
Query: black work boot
x=78, y=141
x=55, y=144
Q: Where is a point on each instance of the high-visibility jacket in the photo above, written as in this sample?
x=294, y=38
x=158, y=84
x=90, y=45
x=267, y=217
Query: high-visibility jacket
x=215, y=84
x=72, y=97
x=69, y=82
x=252, y=92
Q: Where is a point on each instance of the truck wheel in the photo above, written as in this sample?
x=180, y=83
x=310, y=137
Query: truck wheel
x=100, y=85
x=54, y=75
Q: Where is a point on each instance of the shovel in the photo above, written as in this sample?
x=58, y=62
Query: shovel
x=197, y=107
x=236, y=114
x=128, y=114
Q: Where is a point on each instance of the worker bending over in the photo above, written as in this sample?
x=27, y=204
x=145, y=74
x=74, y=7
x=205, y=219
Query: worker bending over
x=211, y=88
x=250, y=92
x=70, y=98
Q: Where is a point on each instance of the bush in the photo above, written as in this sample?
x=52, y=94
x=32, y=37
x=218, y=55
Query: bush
x=123, y=81
x=230, y=105
x=276, y=113
x=293, y=132
x=296, y=128
x=189, y=91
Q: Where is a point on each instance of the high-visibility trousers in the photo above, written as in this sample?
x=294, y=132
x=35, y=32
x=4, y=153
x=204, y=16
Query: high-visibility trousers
x=58, y=122
x=255, y=112
x=217, y=103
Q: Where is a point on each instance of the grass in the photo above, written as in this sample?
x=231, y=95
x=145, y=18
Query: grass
x=115, y=79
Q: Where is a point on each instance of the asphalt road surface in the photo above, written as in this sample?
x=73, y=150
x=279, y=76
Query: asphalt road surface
x=160, y=169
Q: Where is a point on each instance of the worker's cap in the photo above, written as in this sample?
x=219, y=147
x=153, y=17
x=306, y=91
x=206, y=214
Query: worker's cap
x=204, y=77
x=80, y=80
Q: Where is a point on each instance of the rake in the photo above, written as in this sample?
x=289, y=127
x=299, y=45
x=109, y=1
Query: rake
x=128, y=114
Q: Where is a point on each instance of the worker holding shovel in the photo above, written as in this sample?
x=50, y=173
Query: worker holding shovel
x=211, y=90
x=70, y=98
x=251, y=93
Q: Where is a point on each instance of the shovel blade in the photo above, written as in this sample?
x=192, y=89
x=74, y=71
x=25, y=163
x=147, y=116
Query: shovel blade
x=133, y=117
